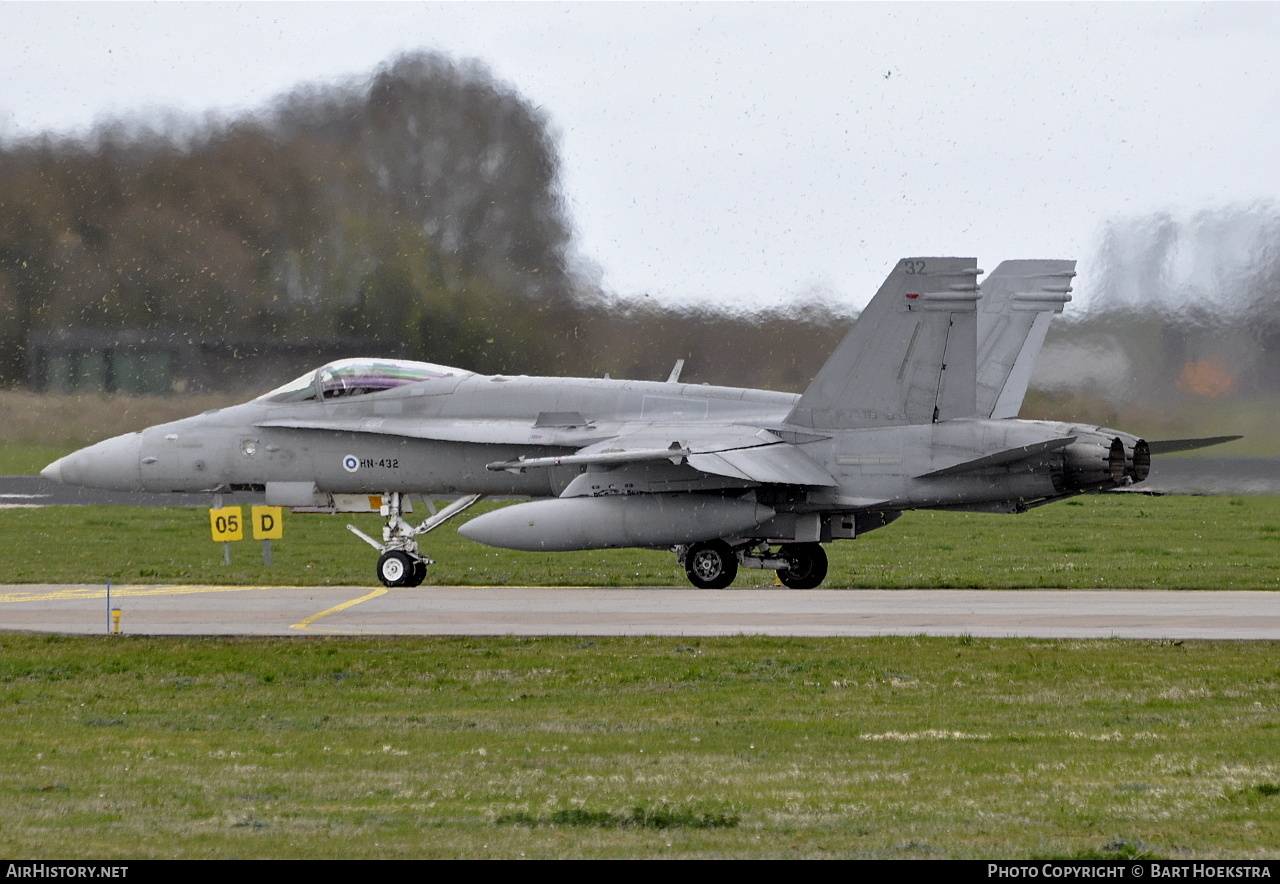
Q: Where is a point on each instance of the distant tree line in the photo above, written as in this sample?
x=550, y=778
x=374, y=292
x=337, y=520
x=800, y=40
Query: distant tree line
x=1181, y=309
x=420, y=207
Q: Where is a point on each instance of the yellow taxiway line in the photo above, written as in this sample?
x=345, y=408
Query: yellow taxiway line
x=135, y=590
x=306, y=624
x=139, y=590
x=127, y=591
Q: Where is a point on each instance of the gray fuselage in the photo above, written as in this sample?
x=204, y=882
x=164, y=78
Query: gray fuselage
x=437, y=436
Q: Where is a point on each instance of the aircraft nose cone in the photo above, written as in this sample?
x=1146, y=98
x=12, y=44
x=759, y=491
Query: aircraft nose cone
x=112, y=465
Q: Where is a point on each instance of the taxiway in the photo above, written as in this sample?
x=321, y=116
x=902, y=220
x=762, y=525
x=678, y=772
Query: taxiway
x=444, y=610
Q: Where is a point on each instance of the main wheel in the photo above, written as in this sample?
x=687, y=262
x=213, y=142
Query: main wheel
x=808, y=565
x=711, y=564
x=396, y=568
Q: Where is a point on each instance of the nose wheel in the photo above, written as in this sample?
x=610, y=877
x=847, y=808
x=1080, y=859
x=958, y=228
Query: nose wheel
x=398, y=568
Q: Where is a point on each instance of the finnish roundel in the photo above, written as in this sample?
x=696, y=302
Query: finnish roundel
x=351, y=463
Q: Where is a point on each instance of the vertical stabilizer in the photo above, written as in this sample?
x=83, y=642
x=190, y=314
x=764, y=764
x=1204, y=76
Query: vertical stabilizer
x=1019, y=299
x=910, y=357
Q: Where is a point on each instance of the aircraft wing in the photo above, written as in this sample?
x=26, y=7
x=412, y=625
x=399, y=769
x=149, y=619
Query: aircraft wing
x=736, y=452
x=779, y=463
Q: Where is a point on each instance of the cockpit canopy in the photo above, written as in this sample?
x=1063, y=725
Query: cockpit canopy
x=358, y=377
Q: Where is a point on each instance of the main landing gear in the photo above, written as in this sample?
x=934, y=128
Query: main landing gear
x=713, y=564
x=401, y=562
x=806, y=565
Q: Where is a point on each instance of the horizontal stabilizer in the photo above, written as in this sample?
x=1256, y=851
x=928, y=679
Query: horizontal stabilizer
x=1009, y=455
x=1168, y=446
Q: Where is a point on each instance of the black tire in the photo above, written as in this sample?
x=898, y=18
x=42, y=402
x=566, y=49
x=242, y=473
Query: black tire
x=396, y=568
x=419, y=573
x=711, y=564
x=808, y=565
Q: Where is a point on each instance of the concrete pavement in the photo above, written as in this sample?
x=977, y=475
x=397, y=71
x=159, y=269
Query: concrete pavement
x=444, y=610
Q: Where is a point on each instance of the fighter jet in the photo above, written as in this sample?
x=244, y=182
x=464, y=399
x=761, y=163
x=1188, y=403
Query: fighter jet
x=915, y=409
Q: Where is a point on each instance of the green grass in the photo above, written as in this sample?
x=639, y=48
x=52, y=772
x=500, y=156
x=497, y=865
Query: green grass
x=1127, y=541
x=612, y=747
x=70, y=422
x=29, y=460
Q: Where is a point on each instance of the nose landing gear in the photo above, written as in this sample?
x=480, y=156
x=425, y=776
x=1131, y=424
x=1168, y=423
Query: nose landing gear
x=402, y=562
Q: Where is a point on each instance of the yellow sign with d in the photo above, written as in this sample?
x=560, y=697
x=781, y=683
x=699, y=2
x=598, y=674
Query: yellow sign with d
x=268, y=522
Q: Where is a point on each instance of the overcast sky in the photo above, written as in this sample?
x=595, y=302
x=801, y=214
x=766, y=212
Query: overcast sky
x=753, y=153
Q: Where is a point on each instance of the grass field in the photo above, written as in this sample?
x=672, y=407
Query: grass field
x=565, y=747
x=1127, y=541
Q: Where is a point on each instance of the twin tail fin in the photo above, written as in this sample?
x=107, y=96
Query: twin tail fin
x=911, y=356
